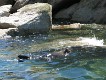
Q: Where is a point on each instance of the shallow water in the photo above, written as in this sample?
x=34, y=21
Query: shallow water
x=83, y=69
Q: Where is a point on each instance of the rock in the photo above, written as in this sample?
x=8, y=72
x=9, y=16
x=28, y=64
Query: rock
x=83, y=15
x=67, y=13
x=18, y=5
x=90, y=11
x=84, y=11
x=4, y=10
x=59, y=5
x=39, y=19
x=40, y=1
x=6, y=2
x=3, y=2
x=29, y=19
x=3, y=32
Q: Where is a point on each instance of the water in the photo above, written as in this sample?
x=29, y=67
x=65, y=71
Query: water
x=76, y=68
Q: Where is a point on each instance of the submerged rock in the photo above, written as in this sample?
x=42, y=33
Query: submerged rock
x=29, y=19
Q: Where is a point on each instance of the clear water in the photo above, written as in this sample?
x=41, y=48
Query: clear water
x=83, y=69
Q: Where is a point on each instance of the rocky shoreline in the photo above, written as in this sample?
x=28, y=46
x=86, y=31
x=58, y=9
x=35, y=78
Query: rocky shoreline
x=29, y=18
x=75, y=26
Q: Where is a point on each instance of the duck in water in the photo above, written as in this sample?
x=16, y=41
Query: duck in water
x=48, y=57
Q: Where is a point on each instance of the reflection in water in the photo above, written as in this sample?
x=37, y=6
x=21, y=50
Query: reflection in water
x=68, y=68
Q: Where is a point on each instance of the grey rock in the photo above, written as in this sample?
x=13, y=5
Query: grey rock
x=86, y=11
x=67, y=13
x=29, y=19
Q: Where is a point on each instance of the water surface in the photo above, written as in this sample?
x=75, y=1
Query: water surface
x=76, y=69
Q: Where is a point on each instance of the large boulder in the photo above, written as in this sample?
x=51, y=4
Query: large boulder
x=29, y=19
x=4, y=10
x=85, y=11
x=90, y=11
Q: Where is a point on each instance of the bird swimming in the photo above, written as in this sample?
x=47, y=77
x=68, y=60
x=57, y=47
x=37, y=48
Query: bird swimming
x=48, y=56
x=56, y=55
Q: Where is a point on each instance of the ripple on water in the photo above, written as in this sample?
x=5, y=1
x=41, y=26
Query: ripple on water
x=11, y=69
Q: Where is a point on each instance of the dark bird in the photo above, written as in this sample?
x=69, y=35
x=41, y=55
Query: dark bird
x=48, y=56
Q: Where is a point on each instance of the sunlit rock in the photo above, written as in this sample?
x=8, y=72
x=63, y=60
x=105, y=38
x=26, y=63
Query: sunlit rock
x=20, y=3
x=29, y=19
x=4, y=10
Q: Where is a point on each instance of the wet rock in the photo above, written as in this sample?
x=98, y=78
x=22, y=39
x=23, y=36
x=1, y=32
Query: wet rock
x=29, y=19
